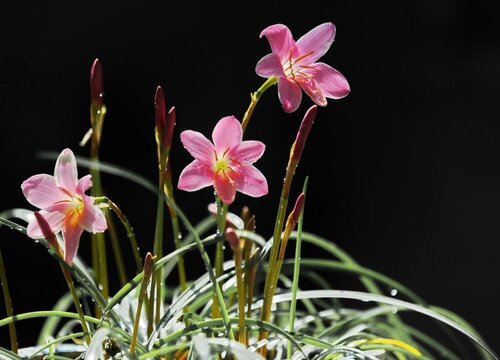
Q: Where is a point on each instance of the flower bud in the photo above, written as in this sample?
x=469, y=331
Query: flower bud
x=160, y=112
x=303, y=133
x=149, y=261
x=170, y=124
x=297, y=209
x=232, y=238
x=47, y=232
x=96, y=84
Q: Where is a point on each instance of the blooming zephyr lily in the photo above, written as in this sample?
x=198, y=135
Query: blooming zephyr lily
x=226, y=164
x=63, y=204
x=295, y=66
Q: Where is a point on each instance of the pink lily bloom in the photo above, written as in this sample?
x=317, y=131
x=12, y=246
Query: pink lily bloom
x=226, y=164
x=294, y=64
x=64, y=204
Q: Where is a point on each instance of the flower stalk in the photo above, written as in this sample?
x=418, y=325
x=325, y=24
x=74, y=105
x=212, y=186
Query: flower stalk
x=235, y=243
x=169, y=192
x=104, y=201
x=254, y=99
x=52, y=240
x=97, y=114
x=148, y=269
x=163, y=134
x=250, y=268
x=296, y=271
x=295, y=155
x=8, y=306
x=164, y=131
x=219, y=250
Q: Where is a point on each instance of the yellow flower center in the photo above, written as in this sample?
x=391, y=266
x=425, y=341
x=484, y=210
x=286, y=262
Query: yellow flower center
x=221, y=164
x=74, y=213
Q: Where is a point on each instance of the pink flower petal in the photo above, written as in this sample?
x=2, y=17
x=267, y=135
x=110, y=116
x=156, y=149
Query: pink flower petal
x=331, y=82
x=41, y=191
x=251, y=182
x=269, y=65
x=84, y=184
x=55, y=219
x=227, y=133
x=225, y=187
x=290, y=94
x=92, y=218
x=280, y=39
x=315, y=43
x=247, y=152
x=310, y=87
x=71, y=234
x=195, y=176
x=65, y=171
x=198, y=146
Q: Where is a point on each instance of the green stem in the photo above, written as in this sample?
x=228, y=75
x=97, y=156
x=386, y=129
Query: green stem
x=99, y=263
x=103, y=264
x=169, y=192
x=99, y=248
x=296, y=272
x=219, y=249
x=8, y=305
x=155, y=293
x=117, y=251
x=242, y=337
x=254, y=99
x=76, y=300
x=148, y=267
x=278, y=228
x=126, y=225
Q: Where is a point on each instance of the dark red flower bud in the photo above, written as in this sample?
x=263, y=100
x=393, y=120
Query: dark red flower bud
x=305, y=127
x=297, y=209
x=47, y=232
x=96, y=84
x=232, y=238
x=160, y=111
x=169, y=133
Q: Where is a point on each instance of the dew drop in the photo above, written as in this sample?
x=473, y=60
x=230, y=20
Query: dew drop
x=394, y=292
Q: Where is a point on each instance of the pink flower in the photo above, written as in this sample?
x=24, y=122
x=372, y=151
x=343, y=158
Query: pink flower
x=295, y=66
x=226, y=164
x=63, y=204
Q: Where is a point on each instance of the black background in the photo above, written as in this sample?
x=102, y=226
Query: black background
x=404, y=172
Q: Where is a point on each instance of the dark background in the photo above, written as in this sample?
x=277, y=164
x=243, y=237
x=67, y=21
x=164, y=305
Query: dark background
x=404, y=172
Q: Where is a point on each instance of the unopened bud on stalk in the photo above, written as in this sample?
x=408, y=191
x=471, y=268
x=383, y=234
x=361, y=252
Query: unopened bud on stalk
x=300, y=140
x=169, y=133
x=165, y=123
x=291, y=222
x=160, y=111
x=232, y=238
x=97, y=108
x=245, y=214
x=250, y=225
x=48, y=234
x=149, y=261
x=297, y=209
x=96, y=84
